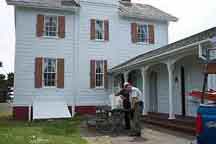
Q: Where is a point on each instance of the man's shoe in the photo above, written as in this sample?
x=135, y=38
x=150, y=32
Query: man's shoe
x=127, y=128
x=139, y=134
x=135, y=134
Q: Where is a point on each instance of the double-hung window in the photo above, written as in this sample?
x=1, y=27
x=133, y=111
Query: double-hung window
x=51, y=26
x=99, y=74
x=49, y=72
x=99, y=28
x=142, y=33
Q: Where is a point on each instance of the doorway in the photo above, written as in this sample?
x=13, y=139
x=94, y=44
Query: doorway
x=183, y=91
x=135, y=78
x=153, y=92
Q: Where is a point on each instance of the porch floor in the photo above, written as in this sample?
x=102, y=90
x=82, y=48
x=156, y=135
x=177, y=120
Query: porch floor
x=183, y=124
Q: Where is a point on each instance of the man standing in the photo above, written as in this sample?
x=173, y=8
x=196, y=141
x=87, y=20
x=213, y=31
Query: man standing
x=137, y=108
x=124, y=93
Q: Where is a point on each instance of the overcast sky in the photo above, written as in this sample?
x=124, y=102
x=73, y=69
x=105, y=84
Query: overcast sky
x=194, y=16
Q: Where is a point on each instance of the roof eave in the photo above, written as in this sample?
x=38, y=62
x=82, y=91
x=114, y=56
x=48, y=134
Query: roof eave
x=31, y=5
x=168, y=19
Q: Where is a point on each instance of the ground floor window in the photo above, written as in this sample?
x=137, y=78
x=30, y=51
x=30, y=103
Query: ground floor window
x=99, y=74
x=49, y=72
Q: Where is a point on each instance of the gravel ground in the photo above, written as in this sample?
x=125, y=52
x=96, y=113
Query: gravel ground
x=150, y=135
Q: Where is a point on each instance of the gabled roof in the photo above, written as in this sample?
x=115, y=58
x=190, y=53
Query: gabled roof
x=207, y=34
x=50, y=4
x=144, y=11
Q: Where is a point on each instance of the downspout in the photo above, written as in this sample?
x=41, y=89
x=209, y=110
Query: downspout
x=76, y=59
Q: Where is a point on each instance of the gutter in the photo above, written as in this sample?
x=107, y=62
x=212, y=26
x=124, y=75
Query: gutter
x=156, y=56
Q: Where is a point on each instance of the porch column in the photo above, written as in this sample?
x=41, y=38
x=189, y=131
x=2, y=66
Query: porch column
x=113, y=83
x=144, y=79
x=170, y=67
x=73, y=110
x=126, y=76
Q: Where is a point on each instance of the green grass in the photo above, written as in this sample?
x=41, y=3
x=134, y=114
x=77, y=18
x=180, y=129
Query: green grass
x=40, y=132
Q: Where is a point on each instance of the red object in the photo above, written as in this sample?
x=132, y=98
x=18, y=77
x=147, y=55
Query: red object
x=210, y=95
x=199, y=126
x=21, y=113
x=85, y=110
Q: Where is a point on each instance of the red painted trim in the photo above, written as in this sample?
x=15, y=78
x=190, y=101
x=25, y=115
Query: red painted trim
x=21, y=113
x=85, y=110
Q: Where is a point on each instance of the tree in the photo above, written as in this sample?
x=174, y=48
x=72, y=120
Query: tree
x=10, y=79
x=3, y=83
x=3, y=88
x=2, y=77
x=6, y=86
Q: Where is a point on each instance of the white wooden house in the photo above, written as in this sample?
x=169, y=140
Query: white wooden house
x=64, y=49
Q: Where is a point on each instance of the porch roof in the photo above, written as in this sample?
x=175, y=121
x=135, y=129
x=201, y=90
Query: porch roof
x=205, y=35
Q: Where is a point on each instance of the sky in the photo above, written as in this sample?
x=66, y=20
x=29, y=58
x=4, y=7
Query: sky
x=194, y=16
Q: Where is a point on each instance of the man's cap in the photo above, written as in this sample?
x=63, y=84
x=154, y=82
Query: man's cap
x=126, y=84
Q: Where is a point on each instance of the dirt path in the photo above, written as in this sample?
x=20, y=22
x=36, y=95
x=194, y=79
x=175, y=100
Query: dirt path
x=149, y=136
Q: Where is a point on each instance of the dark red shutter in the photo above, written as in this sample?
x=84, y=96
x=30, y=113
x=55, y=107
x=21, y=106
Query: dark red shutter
x=92, y=74
x=60, y=73
x=106, y=30
x=40, y=25
x=151, y=34
x=92, y=29
x=61, y=26
x=134, y=32
x=38, y=72
x=105, y=74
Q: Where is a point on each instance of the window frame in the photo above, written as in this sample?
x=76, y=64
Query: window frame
x=43, y=72
x=57, y=26
x=103, y=78
x=139, y=34
x=103, y=30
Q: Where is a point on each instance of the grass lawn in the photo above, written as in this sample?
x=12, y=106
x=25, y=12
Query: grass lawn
x=40, y=132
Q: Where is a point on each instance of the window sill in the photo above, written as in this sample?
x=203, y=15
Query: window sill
x=99, y=40
x=99, y=88
x=49, y=87
x=142, y=43
x=50, y=37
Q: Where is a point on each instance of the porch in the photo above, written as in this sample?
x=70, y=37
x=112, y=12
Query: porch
x=184, y=124
x=166, y=76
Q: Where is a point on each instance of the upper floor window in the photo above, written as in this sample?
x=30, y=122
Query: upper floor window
x=51, y=26
x=50, y=72
x=99, y=27
x=142, y=33
x=99, y=30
